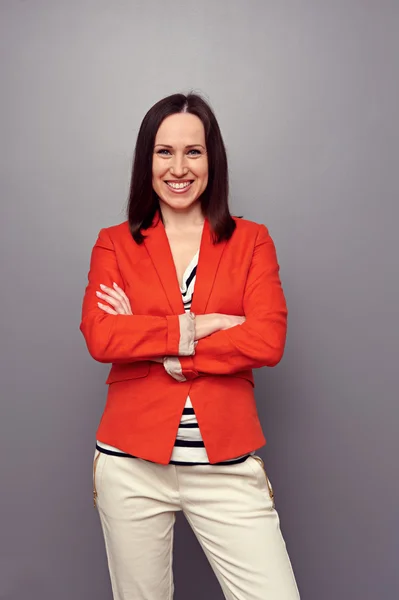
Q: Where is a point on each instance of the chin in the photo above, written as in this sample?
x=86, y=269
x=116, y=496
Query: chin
x=182, y=205
x=179, y=203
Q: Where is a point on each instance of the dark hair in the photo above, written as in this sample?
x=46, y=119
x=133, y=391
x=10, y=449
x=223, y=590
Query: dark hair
x=143, y=202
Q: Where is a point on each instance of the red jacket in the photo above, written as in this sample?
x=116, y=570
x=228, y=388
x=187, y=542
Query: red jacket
x=144, y=403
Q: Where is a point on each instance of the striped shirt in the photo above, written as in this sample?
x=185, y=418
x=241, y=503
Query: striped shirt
x=189, y=448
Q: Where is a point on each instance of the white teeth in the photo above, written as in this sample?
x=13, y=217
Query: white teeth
x=178, y=186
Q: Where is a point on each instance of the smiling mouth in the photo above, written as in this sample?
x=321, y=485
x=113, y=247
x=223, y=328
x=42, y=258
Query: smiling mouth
x=178, y=186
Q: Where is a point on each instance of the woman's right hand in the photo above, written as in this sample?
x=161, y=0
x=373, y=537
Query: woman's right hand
x=207, y=324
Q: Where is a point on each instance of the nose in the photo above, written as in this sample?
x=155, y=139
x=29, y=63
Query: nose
x=178, y=166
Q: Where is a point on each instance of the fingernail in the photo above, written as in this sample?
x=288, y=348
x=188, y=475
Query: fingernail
x=114, y=284
x=102, y=286
x=98, y=293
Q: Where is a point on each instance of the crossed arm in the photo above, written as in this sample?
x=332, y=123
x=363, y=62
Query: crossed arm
x=213, y=343
x=203, y=325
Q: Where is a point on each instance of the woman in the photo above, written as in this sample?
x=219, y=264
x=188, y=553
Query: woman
x=185, y=300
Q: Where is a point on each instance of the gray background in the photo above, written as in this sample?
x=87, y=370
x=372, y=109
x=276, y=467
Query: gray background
x=306, y=94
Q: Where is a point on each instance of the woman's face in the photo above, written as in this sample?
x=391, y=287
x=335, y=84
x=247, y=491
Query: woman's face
x=180, y=161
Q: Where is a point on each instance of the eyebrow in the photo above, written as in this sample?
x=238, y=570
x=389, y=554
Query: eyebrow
x=188, y=145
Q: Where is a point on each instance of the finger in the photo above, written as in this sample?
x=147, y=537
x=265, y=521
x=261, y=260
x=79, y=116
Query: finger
x=106, y=309
x=114, y=298
x=125, y=298
x=116, y=303
x=110, y=291
x=236, y=320
x=121, y=306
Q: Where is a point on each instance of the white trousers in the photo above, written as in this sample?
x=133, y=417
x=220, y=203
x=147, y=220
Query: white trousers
x=230, y=509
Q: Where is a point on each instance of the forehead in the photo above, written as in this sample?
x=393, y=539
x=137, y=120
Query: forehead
x=181, y=128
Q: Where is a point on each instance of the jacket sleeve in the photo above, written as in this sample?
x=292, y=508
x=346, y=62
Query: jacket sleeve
x=260, y=340
x=127, y=338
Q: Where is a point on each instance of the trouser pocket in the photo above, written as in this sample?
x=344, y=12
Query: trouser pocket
x=269, y=485
x=95, y=462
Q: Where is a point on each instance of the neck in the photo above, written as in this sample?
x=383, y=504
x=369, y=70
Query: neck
x=181, y=219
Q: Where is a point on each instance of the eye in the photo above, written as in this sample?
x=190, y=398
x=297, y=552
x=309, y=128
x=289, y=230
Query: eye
x=163, y=152
x=194, y=152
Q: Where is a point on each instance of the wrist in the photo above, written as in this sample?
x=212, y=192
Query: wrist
x=219, y=322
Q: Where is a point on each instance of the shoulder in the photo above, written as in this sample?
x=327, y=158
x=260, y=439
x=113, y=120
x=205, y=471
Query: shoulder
x=246, y=228
x=114, y=233
x=119, y=230
x=246, y=225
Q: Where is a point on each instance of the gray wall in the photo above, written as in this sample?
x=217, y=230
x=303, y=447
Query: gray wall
x=306, y=94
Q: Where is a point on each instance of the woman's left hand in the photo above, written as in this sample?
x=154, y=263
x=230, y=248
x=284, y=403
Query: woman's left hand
x=117, y=298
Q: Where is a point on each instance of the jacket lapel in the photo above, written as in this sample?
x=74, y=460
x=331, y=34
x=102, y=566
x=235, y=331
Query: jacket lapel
x=157, y=245
x=208, y=264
